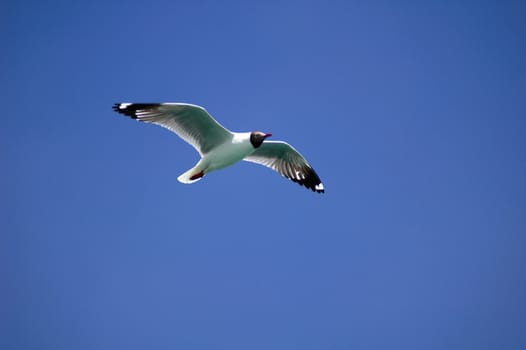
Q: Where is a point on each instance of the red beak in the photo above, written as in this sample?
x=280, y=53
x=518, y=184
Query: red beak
x=268, y=135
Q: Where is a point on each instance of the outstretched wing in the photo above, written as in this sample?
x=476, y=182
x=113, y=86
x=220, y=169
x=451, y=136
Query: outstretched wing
x=284, y=159
x=192, y=123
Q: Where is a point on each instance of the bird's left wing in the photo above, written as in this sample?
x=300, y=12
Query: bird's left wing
x=284, y=159
x=192, y=123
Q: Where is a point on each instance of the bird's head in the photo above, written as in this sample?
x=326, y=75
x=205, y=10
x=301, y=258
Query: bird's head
x=257, y=138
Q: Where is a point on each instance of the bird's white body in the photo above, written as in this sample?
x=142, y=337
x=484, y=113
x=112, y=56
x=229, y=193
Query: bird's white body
x=226, y=154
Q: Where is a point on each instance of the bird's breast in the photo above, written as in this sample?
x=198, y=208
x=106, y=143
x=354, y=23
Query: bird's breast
x=228, y=153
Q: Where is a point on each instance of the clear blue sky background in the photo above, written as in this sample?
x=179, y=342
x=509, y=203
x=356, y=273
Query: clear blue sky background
x=412, y=112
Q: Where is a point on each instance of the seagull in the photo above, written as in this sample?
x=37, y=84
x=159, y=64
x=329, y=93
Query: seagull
x=220, y=147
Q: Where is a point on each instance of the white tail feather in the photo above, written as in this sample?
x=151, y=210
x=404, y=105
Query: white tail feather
x=185, y=177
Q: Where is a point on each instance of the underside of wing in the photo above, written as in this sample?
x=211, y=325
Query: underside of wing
x=284, y=159
x=192, y=123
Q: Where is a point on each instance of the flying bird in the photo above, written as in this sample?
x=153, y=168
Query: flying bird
x=220, y=147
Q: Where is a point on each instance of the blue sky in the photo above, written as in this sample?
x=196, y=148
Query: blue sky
x=412, y=112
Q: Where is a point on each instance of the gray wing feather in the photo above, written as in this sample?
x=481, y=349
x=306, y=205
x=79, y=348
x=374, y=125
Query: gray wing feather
x=284, y=159
x=192, y=123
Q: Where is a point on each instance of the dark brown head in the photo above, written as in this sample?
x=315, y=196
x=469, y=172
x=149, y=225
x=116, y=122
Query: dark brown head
x=257, y=138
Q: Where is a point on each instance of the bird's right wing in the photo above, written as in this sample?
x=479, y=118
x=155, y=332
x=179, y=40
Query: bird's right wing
x=284, y=159
x=192, y=123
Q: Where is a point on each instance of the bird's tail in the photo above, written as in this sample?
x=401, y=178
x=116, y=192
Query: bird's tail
x=193, y=175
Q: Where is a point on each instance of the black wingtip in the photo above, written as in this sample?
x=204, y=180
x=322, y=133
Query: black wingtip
x=116, y=108
x=314, y=188
x=126, y=109
x=130, y=109
x=311, y=181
